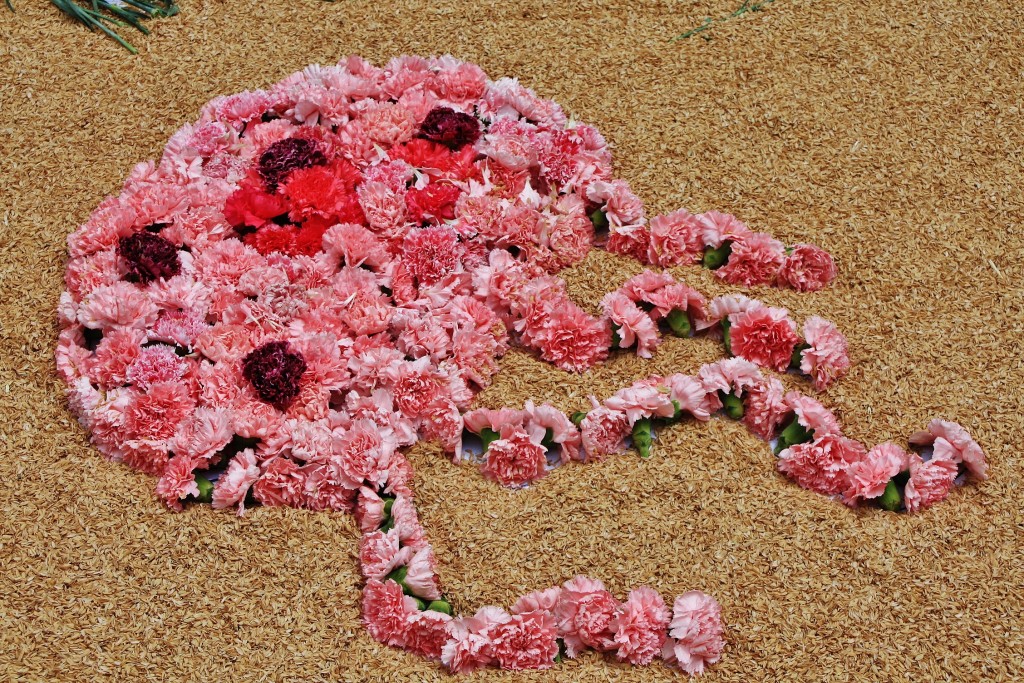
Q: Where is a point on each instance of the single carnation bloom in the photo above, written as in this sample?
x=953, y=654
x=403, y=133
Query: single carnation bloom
x=869, y=477
x=544, y=600
x=526, y=641
x=284, y=156
x=676, y=238
x=755, y=260
x=274, y=371
x=826, y=359
x=952, y=442
x=696, y=635
x=427, y=633
x=573, y=340
x=765, y=408
x=807, y=268
x=514, y=459
x=234, y=483
x=764, y=335
x=929, y=483
x=469, y=647
x=604, y=432
x=633, y=326
x=641, y=401
x=177, y=482
x=453, y=129
x=148, y=257
x=387, y=612
x=814, y=417
x=381, y=552
x=640, y=626
x=821, y=465
x=585, y=612
x=717, y=227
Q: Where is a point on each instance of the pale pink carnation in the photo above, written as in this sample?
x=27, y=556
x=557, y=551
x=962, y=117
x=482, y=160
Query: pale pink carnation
x=585, y=611
x=929, y=483
x=676, y=238
x=692, y=396
x=952, y=442
x=633, y=325
x=755, y=260
x=369, y=510
x=421, y=578
x=515, y=458
x=869, y=477
x=764, y=335
x=544, y=600
x=719, y=227
x=544, y=418
x=826, y=360
x=724, y=306
x=641, y=401
x=573, y=340
x=765, y=408
x=469, y=647
x=387, y=612
x=427, y=633
x=807, y=268
x=156, y=364
x=821, y=465
x=604, y=432
x=640, y=626
x=814, y=417
x=281, y=483
x=731, y=375
x=380, y=553
x=177, y=482
x=234, y=483
x=526, y=641
x=696, y=634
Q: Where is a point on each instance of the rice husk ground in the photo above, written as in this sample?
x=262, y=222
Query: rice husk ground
x=888, y=132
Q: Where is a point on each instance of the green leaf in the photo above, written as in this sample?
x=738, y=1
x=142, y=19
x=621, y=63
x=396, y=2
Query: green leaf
x=643, y=437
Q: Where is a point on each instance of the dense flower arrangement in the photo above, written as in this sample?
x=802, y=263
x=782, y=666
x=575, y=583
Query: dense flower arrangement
x=316, y=276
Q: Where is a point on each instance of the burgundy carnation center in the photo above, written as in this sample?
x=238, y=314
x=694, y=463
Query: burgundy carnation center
x=149, y=257
x=284, y=156
x=450, y=128
x=274, y=371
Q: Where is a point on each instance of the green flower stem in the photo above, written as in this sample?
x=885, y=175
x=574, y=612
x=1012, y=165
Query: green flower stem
x=716, y=258
x=891, y=499
x=679, y=322
x=578, y=417
x=205, y=489
x=440, y=606
x=733, y=405
x=726, y=340
x=487, y=435
x=643, y=437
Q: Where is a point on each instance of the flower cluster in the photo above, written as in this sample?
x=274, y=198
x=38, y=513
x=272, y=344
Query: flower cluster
x=718, y=241
x=316, y=276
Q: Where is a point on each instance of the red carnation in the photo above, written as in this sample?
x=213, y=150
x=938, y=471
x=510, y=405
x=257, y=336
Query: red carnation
x=436, y=201
x=274, y=371
x=453, y=129
x=284, y=156
x=149, y=257
x=250, y=205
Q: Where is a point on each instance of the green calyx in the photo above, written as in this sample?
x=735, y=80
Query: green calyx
x=578, y=417
x=440, y=606
x=793, y=434
x=726, y=340
x=716, y=258
x=732, y=404
x=643, y=437
x=600, y=220
x=487, y=435
x=891, y=499
x=679, y=322
x=205, y=489
x=616, y=339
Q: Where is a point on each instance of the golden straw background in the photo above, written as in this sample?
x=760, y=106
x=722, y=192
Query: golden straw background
x=885, y=131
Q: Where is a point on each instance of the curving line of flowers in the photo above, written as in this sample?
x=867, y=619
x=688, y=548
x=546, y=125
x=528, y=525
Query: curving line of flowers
x=316, y=276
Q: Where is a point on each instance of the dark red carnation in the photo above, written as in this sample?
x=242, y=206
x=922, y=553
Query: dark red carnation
x=250, y=205
x=434, y=203
x=451, y=128
x=284, y=156
x=274, y=371
x=148, y=256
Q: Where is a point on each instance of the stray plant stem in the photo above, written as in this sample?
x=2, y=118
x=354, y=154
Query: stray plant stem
x=747, y=6
x=101, y=15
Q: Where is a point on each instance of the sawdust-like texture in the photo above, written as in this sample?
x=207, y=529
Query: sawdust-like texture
x=888, y=132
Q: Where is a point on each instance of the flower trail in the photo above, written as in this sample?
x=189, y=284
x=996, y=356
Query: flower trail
x=317, y=276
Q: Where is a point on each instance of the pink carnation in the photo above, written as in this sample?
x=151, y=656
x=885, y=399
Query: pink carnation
x=696, y=635
x=177, y=482
x=156, y=364
x=604, y=432
x=573, y=340
x=755, y=260
x=526, y=641
x=719, y=227
x=544, y=600
x=641, y=401
x=807, y=268
x=821, y=465
x=929, y=483
x=813, y=416
x=585, y=613
x=826, y=360
x=421, y=577
x=732, y=375
x=380, y=553
x=692, y=396
x=765, y=408
x=469, y=647
x=676, y=238
x=544, y=418
x=233, y=485
x=633, y=325
x=387, y=612
x=869, y=477
x=952, y=442
x=515, y=458
x=281, y=483
x=427, y=633
x=640, y=626
x=765, y=336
